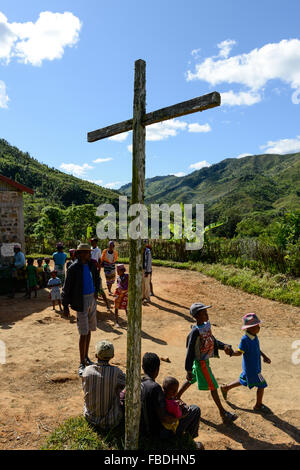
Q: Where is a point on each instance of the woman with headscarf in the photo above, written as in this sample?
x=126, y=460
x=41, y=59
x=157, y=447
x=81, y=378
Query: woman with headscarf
x=108, y=261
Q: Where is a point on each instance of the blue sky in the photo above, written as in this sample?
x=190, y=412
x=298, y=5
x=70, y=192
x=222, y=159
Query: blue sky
x=66, y=68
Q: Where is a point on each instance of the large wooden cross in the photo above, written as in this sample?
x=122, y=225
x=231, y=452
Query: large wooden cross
x=137, y=125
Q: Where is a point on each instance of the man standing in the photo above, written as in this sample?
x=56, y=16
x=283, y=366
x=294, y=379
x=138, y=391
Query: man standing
x=102, y=384
x=147, y=274
x=96, y=252
x=19, y=270
x=81, y=291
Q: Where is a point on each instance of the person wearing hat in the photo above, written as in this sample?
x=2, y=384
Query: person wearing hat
x=102, y=384
x=54, y=284
x=201, y=346
x=81, y=290
x=250, y=349
x=60, y=258
x=121, y=292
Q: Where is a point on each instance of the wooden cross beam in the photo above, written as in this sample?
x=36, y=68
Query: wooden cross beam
x=181, y=109
x=138, y=126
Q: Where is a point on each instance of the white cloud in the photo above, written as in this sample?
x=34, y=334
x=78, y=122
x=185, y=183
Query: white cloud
x=179, y=174
x=195, y=127
x=102, y=160
x=225, y=47
x=199, y=165
x=254, y=69
x=45, y=39
x=242, y=155
x=119, y=137
x=246, y=98
x=76, y=170
x=129, y=148
x=99, y=182
x=282, y=146
x=165, y=129
x=3, y=96
x=113, y=185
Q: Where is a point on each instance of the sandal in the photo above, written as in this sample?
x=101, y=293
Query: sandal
x=229, y=417
x=262, y=409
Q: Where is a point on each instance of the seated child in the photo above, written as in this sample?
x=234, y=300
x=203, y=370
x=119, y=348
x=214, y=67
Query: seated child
x=54, y=283
x=173, y=406
x=250, y=349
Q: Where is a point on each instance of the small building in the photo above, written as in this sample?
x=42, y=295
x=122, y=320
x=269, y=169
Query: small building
x=11, y=216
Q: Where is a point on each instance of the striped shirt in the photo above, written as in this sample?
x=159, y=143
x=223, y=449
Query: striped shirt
x=101, y=385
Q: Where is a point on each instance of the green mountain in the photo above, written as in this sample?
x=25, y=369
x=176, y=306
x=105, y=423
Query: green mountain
x=233, y=188
x=52, y=187
x=49, y=184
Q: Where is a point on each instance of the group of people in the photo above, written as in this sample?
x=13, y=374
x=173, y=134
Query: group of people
x=163, y=413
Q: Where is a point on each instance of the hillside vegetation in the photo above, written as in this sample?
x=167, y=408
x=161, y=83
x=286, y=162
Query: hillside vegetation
x=259, y=187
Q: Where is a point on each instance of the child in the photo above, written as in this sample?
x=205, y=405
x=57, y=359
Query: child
x=54, y=283
x=201, y=346
x=47, y=269
x=32, y=280
x=251, y=375
x=40, y=273
x=121, y=293
x=173, y=406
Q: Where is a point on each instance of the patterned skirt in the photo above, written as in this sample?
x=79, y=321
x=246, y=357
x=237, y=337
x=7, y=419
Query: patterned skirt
x=121, y=299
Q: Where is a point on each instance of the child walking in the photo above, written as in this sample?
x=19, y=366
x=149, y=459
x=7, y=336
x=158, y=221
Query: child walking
x=32, y=280
x=54, y=284
x=121, y=293
x=250, y=349
x=201, y=346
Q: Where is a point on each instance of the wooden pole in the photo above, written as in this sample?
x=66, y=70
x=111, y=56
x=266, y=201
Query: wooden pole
x=133, y=369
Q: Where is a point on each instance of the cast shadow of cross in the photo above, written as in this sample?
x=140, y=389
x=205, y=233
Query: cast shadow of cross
x=104, y=324
x=279, y=423
x=171, y=310
x=240, y=435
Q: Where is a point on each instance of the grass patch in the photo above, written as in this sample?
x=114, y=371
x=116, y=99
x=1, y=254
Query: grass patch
x=279, y=287
x=77, y=434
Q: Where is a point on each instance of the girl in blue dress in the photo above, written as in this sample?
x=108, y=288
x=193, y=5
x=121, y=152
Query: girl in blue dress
x=251, y=375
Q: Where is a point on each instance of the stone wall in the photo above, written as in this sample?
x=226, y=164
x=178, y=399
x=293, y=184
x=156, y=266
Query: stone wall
x=11, y=218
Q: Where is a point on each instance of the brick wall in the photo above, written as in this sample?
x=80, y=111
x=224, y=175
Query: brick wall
x=11, y=217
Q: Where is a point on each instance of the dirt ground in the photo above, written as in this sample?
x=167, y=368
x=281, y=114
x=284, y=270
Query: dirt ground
x=40, y=387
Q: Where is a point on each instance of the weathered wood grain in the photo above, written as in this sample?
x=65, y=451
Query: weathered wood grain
x=195, y=105
x=133, y=367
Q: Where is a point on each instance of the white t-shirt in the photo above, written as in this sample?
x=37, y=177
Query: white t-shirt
x=96, y=254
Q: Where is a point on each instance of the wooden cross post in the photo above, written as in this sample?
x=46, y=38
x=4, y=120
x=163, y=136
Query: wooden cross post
x=138, y=125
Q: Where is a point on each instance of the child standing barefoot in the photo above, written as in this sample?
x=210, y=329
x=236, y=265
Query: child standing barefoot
x=54, y=283
x=32, y=280
x=250, y=349
x=121, y=293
